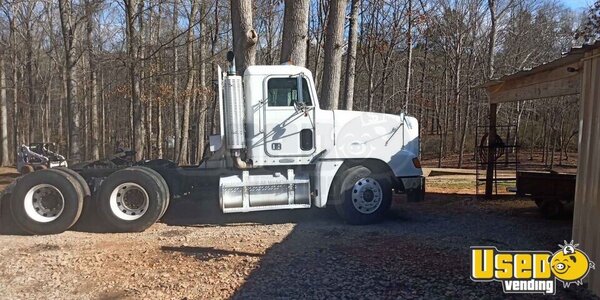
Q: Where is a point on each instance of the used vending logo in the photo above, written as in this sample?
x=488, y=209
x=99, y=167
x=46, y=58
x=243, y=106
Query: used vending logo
x=530, y=271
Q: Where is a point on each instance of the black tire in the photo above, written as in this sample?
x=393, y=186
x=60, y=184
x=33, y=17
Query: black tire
x=69, y=206
x=88, y=213
x=40, y=167
x=551, y=208
x=348, y=194
x=163, y=183
x=84, y=186
x=147, y=205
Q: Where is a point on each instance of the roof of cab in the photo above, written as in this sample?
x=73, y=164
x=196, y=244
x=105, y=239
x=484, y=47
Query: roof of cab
x=276, y=70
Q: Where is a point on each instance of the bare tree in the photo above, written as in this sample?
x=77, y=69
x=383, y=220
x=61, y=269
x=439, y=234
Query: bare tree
x=351, y=55
x=69, y=29
x=133, y=10
x=189, y=87
x=175, y=85
x=295, y=32
x=93, y=78
x=5, y=160
x=76, y=94
x=332, y=65
x=409, y=55
x=492, y=37
x=202, y=90
x=244, y=35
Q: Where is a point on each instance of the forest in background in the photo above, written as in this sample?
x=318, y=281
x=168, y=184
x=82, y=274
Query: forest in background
x=92, y=75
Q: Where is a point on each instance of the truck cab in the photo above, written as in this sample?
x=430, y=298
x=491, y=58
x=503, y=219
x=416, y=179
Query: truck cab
x=280, y=142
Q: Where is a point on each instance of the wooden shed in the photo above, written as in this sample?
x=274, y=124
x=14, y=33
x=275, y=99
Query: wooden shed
x=576, y=73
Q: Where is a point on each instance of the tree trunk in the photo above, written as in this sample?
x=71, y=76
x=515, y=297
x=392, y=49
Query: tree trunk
x=189, y=88
x=422, y=104
x=32, y=103
x=463, y=138
x=176, y=123
x=73, y=107
x=332, y=64
x=203, y=91
x=492, y=38
x=351, y=55
x=244, y=35
x=93, y=83
x=269, y=20
x=159, y=103
x=409, y=55
x=5, y=160
x=134, y=11
x=295, y=32
x=214, y=39
x=103, y=112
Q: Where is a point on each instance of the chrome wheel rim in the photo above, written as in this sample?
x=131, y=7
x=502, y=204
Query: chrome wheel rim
x=129, y=201
x=367, y=195
x=44, y=203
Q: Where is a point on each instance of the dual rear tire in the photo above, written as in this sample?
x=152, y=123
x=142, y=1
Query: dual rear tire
x=51, y=201
x=132, y=199
x=46, y=202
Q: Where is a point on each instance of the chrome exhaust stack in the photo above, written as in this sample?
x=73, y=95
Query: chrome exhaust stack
x=235, y=138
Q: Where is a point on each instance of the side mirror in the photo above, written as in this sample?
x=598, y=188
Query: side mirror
x=230, y=56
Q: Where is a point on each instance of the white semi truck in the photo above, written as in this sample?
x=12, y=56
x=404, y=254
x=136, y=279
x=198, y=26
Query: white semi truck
x=276, y=150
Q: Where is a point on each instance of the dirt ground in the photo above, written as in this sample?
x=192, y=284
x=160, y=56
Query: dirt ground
x=421, y=250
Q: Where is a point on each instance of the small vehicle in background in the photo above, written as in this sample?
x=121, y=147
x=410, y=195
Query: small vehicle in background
x=553, y=192
x=38, y=156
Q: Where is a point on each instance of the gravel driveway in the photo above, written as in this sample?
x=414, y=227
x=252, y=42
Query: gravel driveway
x=420, y=251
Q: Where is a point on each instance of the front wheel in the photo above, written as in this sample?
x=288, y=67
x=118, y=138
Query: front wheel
x=365, y=194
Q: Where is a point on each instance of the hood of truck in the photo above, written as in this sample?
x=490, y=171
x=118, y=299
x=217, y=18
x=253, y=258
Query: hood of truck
x=393, y=139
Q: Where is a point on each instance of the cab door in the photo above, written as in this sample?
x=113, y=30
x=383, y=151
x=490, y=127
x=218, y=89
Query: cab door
x=289, y=117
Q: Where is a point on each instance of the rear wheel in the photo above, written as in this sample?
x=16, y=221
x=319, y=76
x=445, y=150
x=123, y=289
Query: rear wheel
x=130, y=200
x=88, y=212
x=163, y=184
x=365, y=194
x=46, y=202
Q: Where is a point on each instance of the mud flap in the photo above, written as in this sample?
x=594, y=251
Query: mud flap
x=415, y=188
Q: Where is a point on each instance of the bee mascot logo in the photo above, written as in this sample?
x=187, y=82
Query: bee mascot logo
x=530, y=271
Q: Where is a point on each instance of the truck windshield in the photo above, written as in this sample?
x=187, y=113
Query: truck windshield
x=284, y=92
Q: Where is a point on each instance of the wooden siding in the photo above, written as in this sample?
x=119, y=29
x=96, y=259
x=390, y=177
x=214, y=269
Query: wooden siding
x=586, y=221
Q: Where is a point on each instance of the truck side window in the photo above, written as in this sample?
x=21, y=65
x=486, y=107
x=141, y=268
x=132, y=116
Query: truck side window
x=284, y=92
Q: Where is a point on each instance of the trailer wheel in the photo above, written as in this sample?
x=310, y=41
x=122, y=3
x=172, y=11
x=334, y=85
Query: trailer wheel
x=130, y=200
x=163, y=184
x=365, y=194
x=46, y=202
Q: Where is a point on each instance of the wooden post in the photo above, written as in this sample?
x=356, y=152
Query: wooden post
x=491, y=157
